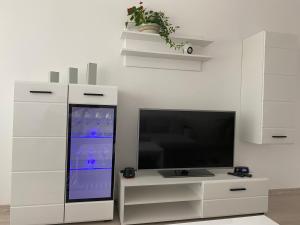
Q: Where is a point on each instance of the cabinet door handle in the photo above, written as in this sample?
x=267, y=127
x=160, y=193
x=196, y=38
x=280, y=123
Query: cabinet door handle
x=41, y=92
x=279, y=136
x=93, y=94
x=238, y=189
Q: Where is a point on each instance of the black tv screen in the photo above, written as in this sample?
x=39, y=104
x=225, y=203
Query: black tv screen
x=175, y=139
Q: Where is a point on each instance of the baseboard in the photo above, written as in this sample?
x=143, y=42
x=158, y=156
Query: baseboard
x=286, y=191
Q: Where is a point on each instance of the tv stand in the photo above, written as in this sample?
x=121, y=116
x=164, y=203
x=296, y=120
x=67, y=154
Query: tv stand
x=185, y=173
x=150, y=198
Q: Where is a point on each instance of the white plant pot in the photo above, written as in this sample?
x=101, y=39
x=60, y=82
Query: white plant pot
x=149, y=28
x=131, y=26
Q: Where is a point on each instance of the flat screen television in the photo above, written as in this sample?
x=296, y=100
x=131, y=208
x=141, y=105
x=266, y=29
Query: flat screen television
x=185, y=139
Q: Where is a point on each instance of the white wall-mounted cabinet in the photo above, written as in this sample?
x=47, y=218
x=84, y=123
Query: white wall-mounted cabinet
x=149, y=50
x=269, y=75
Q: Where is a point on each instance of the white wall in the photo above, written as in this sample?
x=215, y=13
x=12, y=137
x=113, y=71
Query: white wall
x=38, y=36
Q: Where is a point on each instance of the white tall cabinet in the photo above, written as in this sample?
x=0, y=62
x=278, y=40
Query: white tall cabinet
x=39, y=152
x=269, y=77
x=63, y=153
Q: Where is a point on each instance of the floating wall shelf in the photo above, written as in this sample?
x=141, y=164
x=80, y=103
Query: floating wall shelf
x=149, y=50
x=135, y=35
x=166, y=55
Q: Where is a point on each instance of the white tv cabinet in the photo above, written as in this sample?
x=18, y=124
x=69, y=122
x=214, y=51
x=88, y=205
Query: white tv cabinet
x=149, y=197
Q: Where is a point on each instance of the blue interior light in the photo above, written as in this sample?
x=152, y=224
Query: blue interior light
x=91, y=161
x=72, y=169
x=93, y=133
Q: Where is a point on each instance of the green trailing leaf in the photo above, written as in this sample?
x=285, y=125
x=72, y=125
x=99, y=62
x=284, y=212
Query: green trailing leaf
x=141, y=15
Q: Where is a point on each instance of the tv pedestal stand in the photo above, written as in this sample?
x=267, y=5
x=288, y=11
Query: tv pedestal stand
x=150, y=198
x=185, y=173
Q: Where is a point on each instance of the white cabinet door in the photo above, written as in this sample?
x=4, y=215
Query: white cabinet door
x=281, y=61
x=280, y=88
x=32, y=119
x=281, y=40
x=37, y=215
x=38, y=154
x=93, y=95
x=279, y=115
x=40, y=92
x=278, y=136
x=37, y=188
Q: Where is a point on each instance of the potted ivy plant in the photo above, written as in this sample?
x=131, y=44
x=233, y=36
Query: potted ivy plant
x=153, y=22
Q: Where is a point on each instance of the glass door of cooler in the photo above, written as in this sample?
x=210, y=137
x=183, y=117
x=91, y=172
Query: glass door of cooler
x=90, y=168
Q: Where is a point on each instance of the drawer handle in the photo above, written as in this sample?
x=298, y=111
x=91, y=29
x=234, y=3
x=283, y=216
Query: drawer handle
x=93, y=94
x=41, y=92
x=238, y=189
x=279, y=136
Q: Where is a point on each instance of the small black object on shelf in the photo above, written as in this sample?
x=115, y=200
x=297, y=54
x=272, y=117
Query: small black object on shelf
x=128, y=172
x=241, y=171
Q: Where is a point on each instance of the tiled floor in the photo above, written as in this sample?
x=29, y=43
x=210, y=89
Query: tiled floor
x=284, y=208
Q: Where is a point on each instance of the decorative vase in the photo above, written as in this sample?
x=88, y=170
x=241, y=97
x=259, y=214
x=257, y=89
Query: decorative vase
x=149, y=28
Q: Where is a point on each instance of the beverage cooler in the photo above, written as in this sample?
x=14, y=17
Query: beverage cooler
x=90, y=153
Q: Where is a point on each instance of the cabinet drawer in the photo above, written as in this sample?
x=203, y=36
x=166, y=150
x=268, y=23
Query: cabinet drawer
x=238, y=206
x=38, y=154
x=235, y=189
x=40, y=92
x=89, y=211
x=37, y=188
x=279, y=115
x=281, y=61
x=280, y=88
x=278, y=136
x=93, y=94
x=33, y=119
x=40, y=214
